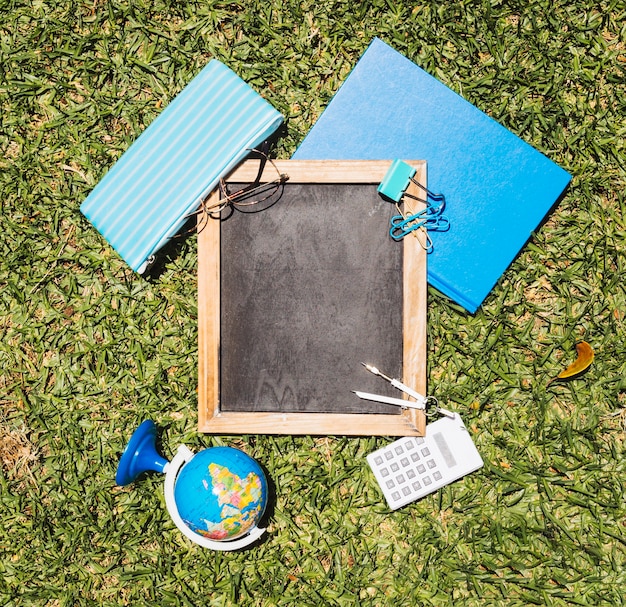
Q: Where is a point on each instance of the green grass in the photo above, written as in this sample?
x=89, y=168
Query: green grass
x=88, y=350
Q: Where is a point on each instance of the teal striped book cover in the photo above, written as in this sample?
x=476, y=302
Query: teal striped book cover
x=148, y=194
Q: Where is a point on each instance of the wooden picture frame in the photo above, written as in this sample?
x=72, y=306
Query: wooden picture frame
x=213, y=416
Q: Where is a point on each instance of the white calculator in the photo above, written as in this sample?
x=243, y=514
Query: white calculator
x=412, y=467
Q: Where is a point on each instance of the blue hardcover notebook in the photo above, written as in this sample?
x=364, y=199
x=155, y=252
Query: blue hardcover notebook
x=497, y=187
x=148, y=194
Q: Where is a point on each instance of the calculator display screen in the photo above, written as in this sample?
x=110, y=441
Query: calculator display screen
x=445, y=450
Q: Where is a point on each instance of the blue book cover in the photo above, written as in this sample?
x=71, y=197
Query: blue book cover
x=498, y=188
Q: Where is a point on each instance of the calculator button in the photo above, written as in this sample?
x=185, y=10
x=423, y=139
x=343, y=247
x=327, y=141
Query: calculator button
x=390, y=484
x=399, y=450
x=406, y=491
x=410, y=446
x=421, y=469
x=427, y=480
x=389, y=455
x=395, y=467
x=399, y=479
x=425, y=451
x=416, y=486
x=384, y=472
x=419, y=441
x=378, y=460
x=395, y=495
x=405, y=462
x=431, y=463
x=415, y=457
x=410, y=473
x=437, y=476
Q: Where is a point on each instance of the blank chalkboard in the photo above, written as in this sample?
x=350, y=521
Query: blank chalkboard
x=294, y=297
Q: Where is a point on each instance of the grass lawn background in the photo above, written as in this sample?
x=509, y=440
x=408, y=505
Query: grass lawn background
x=88, y=349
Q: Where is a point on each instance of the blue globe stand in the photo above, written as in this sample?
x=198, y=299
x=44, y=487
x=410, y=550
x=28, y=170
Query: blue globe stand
x=142, y=456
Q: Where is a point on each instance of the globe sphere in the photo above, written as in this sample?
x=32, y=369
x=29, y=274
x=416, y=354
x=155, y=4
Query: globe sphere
x=221, y=493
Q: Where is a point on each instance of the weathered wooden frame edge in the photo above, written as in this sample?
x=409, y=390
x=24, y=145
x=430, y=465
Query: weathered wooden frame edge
x=211, y=418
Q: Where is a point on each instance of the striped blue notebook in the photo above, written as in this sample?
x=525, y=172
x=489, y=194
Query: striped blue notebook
x=147, y=195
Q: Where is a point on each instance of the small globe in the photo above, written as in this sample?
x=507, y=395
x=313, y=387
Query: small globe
x=221, y=493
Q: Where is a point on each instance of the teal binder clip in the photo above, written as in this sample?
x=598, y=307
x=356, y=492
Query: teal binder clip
x=396, y=180
x=393, y=187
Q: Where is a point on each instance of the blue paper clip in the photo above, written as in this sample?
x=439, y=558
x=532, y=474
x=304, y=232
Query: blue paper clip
x=428, y=218
x=393, y=187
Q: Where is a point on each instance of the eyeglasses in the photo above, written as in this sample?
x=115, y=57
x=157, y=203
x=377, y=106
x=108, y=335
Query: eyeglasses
x=252, y=198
